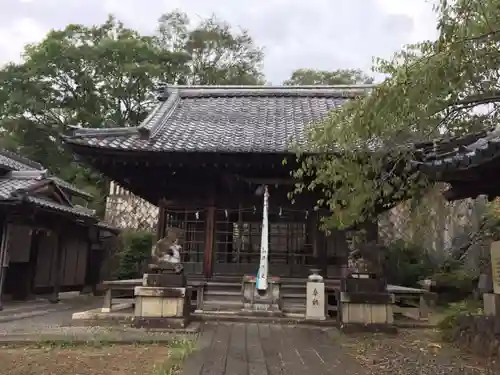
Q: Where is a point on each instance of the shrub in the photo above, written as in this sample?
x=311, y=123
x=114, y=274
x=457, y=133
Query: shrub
x=136, y=249
x=405, y=264
x=454, y=284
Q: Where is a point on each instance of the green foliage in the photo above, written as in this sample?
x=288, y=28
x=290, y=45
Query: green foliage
x=454, y=312
x=406, y=264
x=323, y=77
x=105, y=76
x=454, y=284
x=136, y=248
x=431, y=88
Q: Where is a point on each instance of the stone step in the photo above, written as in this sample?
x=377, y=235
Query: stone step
x=211, y=284
x=210, y=292
x=293, y=295
x=222, y=305
x=219, y=297
x=297, y=309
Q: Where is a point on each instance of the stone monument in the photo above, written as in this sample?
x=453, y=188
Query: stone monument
x=164, y=300
x=492, y=300
x=315, y=300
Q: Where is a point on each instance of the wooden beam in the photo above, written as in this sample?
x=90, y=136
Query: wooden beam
x=462, y=190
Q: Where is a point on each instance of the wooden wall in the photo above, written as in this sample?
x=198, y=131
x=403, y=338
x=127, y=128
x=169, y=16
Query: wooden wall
x=74, y=262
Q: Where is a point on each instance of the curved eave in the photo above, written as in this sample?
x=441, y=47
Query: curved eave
x=84, y=149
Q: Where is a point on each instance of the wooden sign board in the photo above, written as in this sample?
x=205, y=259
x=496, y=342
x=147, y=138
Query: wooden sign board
x=495, y=266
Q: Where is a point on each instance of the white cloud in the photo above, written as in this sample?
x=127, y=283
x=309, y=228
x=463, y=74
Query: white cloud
x=322, y=34
x=21, y=32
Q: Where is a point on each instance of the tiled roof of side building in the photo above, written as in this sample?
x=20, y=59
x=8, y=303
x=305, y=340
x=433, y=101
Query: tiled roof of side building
x=225, y=119
x=15, y=183
x=12, y=161
x=454, y=154
x=15, y=162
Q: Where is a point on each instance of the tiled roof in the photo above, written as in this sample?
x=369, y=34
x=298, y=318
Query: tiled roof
x=75, y=210
x=15, y=183
x=12, y=161
x=225, y=119
x=9, y=186
x=455, y=154
x=64, y=185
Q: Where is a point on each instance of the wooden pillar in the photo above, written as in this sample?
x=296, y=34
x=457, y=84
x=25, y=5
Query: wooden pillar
x=56, y=286
x=209, y=241
x=318, y=242
x=371, y=228
x=33, y=260
x=160, y=227
x=3, y=259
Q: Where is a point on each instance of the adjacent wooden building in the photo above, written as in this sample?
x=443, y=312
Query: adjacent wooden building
x=202, y=156
x=48, y=243
x=470, y=164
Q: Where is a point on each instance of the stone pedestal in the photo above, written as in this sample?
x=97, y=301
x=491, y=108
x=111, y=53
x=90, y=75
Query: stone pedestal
x=254, y=301
x=365, y=303
x=164, y=280
x=162, y=307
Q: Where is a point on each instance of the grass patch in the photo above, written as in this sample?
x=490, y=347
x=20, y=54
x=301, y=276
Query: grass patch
x=173, y=364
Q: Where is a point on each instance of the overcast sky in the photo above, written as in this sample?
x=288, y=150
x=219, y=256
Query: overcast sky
x=319, y=34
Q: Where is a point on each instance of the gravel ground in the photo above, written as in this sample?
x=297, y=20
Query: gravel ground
x=409, y=352
x=413, y=352
x=109, y=360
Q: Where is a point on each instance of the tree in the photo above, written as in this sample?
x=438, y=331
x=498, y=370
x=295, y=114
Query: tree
x=434, y=87
x=324, y=77
x=105, y=76
x=218, y=55
x=98, y=76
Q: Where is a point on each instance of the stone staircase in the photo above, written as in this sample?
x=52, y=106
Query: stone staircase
x=222, y=296
x=225, y=295
x=293, y=296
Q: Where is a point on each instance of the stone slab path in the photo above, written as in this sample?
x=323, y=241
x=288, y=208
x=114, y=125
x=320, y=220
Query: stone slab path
x=271, y=349
x=267, y=349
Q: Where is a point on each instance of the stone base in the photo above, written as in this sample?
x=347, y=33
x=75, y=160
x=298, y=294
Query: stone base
x=358, y=327
x=164, y=280
x=267, y=303
x=372, y=311
x=162, y=302
x=160, y=323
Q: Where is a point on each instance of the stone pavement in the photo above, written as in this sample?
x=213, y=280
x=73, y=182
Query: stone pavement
x=268, y=349
x=40, y=314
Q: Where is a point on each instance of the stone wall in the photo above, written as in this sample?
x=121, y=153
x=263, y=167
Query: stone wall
x=125, y=210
